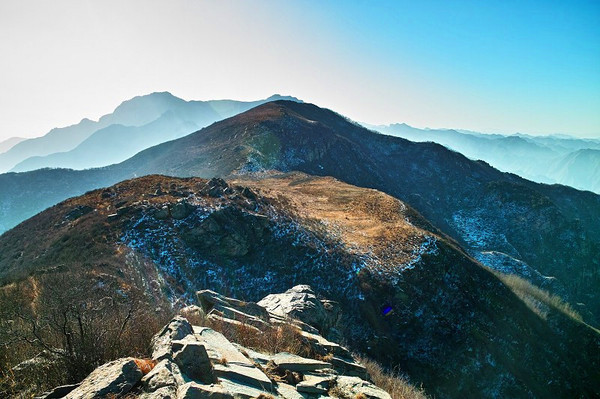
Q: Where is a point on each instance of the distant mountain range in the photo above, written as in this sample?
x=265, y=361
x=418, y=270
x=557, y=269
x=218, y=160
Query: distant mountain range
x=9, y=143
x=545, y=159
x=134, y=125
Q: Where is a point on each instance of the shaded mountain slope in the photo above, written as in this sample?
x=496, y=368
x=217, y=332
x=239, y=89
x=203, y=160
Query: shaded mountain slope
x=136, y=124
x=547, y=234
x=412, y=298
x=505, y=221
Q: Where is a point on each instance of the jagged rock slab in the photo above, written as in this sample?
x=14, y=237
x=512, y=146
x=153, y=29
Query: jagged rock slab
x=116, y=377
x=245, y=374
x=349, y=367
x=288, y=391
x=193, y=390
x=324, y=346
x=177, y=329
x=218, y=347
x=58, y=392
x=164, y=374
x=314, y=385
x=194, y=362
x=210, y=300
x=352, y=386
x=242, y=391
x=255, y=356
x=298, y=363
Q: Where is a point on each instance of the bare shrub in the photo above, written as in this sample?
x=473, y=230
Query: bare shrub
x=76, y=324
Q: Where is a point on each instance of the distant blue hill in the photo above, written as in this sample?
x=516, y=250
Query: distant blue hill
x=135, y=125
x=544, y=159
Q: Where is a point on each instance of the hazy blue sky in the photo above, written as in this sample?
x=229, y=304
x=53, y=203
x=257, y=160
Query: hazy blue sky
x=493, y=66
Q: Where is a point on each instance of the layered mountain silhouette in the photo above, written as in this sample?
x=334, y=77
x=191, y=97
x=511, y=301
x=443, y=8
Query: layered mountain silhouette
x=134, y=125
x=9, y=143
x=410, y=297
x=541, y=159
x=546, y=234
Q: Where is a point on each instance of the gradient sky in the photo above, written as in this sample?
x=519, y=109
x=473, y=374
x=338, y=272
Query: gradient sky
x=493, y=66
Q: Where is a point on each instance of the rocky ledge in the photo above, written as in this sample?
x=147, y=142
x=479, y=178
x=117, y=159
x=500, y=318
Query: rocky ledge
x=194, y=361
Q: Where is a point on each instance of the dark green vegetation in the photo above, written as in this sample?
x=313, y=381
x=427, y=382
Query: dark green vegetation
x=549, y=235
x=455, y=326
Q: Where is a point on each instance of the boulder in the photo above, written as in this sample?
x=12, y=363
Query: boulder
x=193, y=361
x=177, y=329
x=116, y=377
x=193, y=390
x=300, y=302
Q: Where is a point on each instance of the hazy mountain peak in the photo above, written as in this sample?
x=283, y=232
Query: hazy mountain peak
x=276, y=97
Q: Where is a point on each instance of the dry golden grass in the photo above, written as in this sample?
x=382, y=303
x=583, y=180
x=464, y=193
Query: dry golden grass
x=537, y=299
x=367, y=221
x=393, y=383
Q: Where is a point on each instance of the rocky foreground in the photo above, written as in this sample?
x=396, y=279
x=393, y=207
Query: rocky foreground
x=193, y=361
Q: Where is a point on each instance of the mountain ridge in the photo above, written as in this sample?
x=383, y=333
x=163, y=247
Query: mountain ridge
x=497, y=217
x=455, y=326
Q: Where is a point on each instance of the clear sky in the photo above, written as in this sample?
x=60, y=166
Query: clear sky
x=493, y=66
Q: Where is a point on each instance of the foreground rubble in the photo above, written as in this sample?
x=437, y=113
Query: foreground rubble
x=193, y=361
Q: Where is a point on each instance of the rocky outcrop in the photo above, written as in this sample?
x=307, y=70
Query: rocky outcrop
x=300, y=302
x=190, y=361
x=117, y=377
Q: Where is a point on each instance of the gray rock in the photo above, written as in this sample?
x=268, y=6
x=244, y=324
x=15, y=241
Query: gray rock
x=298, y=363
x=219, y=347
x=242, y=391
x=58, y=392
x=349, y=367
x=257, y=357
x=193, y=390
x=181, y=210
x=192, y=312
x=177, y=329
x=352, y=386
x=193, y=361
x=161, y=393
x=314, y=385
x=162, y=213
x=300, y=302
x=248, y=375
x=164, y=374
x=288, y=391
x=246, y=312
x=116, y=377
